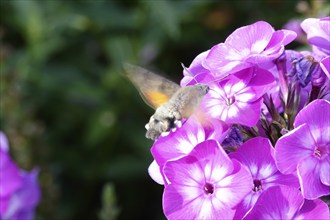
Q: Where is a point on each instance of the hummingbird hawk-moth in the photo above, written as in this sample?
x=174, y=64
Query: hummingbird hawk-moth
x=170, y=101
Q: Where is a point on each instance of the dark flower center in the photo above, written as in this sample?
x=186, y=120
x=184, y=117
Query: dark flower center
x=208, y=188
x=257, y=186
x=230, y=100
x=320, y=151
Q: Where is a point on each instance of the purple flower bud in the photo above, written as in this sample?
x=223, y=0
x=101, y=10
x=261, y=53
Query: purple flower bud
x=303, y=68
x=233, y=139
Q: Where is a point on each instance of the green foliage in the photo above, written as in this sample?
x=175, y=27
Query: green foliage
x=67, y=108
x=109, y=208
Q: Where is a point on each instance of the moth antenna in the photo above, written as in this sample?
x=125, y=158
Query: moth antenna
x=192, y=75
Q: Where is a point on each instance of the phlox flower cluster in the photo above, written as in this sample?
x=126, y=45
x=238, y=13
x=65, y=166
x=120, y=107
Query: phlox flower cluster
x=19, y=189
x=262, y=148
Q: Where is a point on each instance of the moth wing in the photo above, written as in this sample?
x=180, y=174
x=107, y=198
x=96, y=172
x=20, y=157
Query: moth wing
x=154, y=89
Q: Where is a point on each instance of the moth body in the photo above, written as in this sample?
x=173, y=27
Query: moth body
x=172, y=103
x=181, y=105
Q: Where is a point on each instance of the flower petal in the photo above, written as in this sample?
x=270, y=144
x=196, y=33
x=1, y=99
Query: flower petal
x=261, y=82
x=325, y=170
x=185, y=195
x=233, y=188
x=313, y=209
x=178, y=143
x=4, y=146
x=10, y=179
x=256, y=38
x=223, y=60
x=292, y=147
x=325, y=65
x=316, y=115
x=318, y=31
x=155, y=174
x=196, y=73
x=278, y=202
x=177, y=206
x=279, y=38
x=309, y=177
x=244, y=113
x=260, y=164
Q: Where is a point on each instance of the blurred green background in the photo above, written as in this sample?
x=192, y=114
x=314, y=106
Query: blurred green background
x=67, y=108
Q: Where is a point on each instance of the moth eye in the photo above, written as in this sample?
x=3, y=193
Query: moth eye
x=156, y=121
x=171, y=122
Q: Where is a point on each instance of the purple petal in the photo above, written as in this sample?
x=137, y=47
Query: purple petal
x=309, y=177
x=178, y=143
x=316, y=114
x=313, y=209
x=9, y=176
x=24, y=201
x=246, y=204
x=279, y=38
x=280, y=179
x=244, y=113
x=237, y=82
x=278, y=202
x=294, y=146
x=228, y=57
x=185, y=195
x=215, y=129
x=4, y=146
x=233, y=188
x=261, y=164
x=257, y=154
x=196, y=73
x=325, y=170
x=261, y=82
x=264, y=59
x=4, y=205
x=177, y=207
x=155, y=174
x=318, y=32
x=255, y=38
x=325, y=65
x=223, y=60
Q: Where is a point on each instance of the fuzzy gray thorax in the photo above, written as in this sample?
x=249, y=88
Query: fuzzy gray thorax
x=181, y=105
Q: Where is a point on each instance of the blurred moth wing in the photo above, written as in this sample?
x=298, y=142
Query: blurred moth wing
x=154, y=89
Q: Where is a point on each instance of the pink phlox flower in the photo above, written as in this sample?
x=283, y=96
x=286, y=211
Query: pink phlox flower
x=238, y=98
x=180, y=142
x=205, y=184
x=257, y=155
x=284, y=202
x=305, y=150
x=247, y=46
